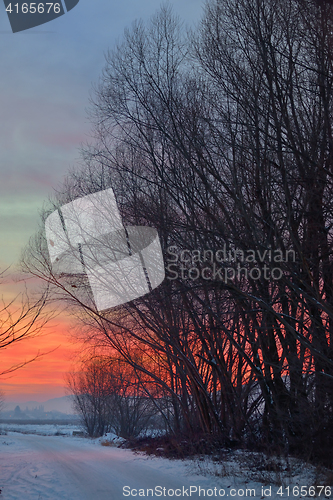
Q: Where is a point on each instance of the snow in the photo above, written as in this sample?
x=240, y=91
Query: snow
x=56, y=467
x=41, y=429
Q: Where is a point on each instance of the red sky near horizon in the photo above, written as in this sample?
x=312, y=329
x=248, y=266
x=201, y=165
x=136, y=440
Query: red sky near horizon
x=46, y=80
x=43, y=378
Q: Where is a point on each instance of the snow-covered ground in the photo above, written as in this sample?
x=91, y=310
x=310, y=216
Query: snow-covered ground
x=57, y=467
x=42, y=429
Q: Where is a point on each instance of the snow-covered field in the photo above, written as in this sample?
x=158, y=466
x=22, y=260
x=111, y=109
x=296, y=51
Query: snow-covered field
x=42, y=429
x=63, y=467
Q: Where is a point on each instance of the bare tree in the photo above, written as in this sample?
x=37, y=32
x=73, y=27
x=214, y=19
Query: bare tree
x=22, y=318
x=109, y=397
x=91, y=390
x=223, y=141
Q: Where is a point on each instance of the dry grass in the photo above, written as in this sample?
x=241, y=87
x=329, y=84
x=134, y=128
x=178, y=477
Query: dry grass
x=107, y=442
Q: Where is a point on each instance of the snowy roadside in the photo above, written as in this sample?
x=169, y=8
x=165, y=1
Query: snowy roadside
x=53, y=467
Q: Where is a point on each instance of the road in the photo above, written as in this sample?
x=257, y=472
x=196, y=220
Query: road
x=37, y=467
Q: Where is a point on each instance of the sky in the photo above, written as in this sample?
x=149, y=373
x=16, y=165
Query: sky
x=47, y=74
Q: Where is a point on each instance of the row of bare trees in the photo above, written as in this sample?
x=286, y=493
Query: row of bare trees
x=109, y=397
x=221, y=138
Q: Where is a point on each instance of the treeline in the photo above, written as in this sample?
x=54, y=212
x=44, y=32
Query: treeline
x=108, y=397
x=223, y=136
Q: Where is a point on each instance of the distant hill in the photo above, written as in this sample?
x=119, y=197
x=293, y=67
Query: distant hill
x=62, y=405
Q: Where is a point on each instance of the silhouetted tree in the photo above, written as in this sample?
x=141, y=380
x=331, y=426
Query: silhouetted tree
x=224, y=139
x=22, y=318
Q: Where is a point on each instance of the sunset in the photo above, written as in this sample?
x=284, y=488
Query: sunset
x=166, y=249
x=43, y=378
x=47, y=76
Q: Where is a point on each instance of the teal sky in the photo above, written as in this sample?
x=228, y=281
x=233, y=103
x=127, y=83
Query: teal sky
x=46, y=77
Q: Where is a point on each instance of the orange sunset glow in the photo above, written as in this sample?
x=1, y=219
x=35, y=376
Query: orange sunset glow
x=43, y=378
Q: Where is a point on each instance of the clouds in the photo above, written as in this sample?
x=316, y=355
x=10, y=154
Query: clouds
x=46, y=77
x=47, y=74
